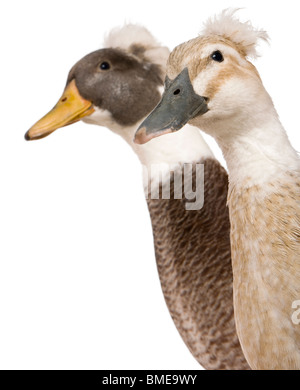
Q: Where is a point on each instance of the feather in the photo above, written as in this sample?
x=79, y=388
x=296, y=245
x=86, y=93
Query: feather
x=138, y=41
x=242, y=34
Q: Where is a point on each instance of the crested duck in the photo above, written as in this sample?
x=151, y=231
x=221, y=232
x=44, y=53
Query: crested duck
x=117, y=87
x=212, y=84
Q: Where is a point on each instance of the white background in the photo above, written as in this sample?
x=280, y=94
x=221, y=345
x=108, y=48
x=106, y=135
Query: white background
x=78, y=281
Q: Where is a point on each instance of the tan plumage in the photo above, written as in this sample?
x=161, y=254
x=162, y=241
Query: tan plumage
x=265, y=236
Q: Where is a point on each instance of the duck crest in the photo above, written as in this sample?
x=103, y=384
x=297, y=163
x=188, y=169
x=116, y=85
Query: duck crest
x=139, y=42
x=242, y=34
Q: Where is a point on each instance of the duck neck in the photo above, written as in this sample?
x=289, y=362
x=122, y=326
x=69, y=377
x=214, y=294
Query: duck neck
x=162, y=154
x=185, y=146
x=258, y=151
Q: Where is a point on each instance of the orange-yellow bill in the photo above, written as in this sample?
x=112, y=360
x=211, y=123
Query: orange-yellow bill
x=70, y=108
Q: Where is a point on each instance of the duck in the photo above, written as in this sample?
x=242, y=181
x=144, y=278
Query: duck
x=211, y=83
x=116, y=87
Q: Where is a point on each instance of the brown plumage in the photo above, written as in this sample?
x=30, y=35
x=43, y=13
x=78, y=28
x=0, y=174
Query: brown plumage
x=193, y=258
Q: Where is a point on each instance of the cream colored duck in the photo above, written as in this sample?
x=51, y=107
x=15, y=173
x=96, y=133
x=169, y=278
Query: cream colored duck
x=227, y=99
x=117, y=87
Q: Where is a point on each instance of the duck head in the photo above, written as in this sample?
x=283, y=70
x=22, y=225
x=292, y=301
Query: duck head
x=209, y=80
x=119, y=84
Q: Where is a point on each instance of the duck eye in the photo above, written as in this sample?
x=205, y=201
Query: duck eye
x=217, y=56
x=104, y=65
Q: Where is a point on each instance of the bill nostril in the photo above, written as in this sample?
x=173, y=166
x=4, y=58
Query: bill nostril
x=177, y=92
x=64, y=99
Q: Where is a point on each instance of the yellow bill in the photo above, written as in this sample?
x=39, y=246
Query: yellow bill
x=70, y=108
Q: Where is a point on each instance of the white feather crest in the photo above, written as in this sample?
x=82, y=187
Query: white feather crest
x=123, y=37
x=130, y=35
x=241, y=33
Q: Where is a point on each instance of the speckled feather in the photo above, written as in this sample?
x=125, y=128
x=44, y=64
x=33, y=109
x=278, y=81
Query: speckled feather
x=194, y=264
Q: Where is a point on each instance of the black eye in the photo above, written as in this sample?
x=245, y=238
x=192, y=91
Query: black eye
x=104, y=66
x=217, y=56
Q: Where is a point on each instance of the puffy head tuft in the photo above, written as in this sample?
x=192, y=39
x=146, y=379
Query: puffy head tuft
x=138, y=41
x=243, y=34
x=124, y=37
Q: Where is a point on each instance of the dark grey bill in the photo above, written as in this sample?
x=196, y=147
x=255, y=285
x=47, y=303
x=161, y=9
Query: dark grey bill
x=179, y=104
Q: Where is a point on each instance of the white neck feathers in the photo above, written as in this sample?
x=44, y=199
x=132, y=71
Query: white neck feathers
x=184, y=146
x=259, y=154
